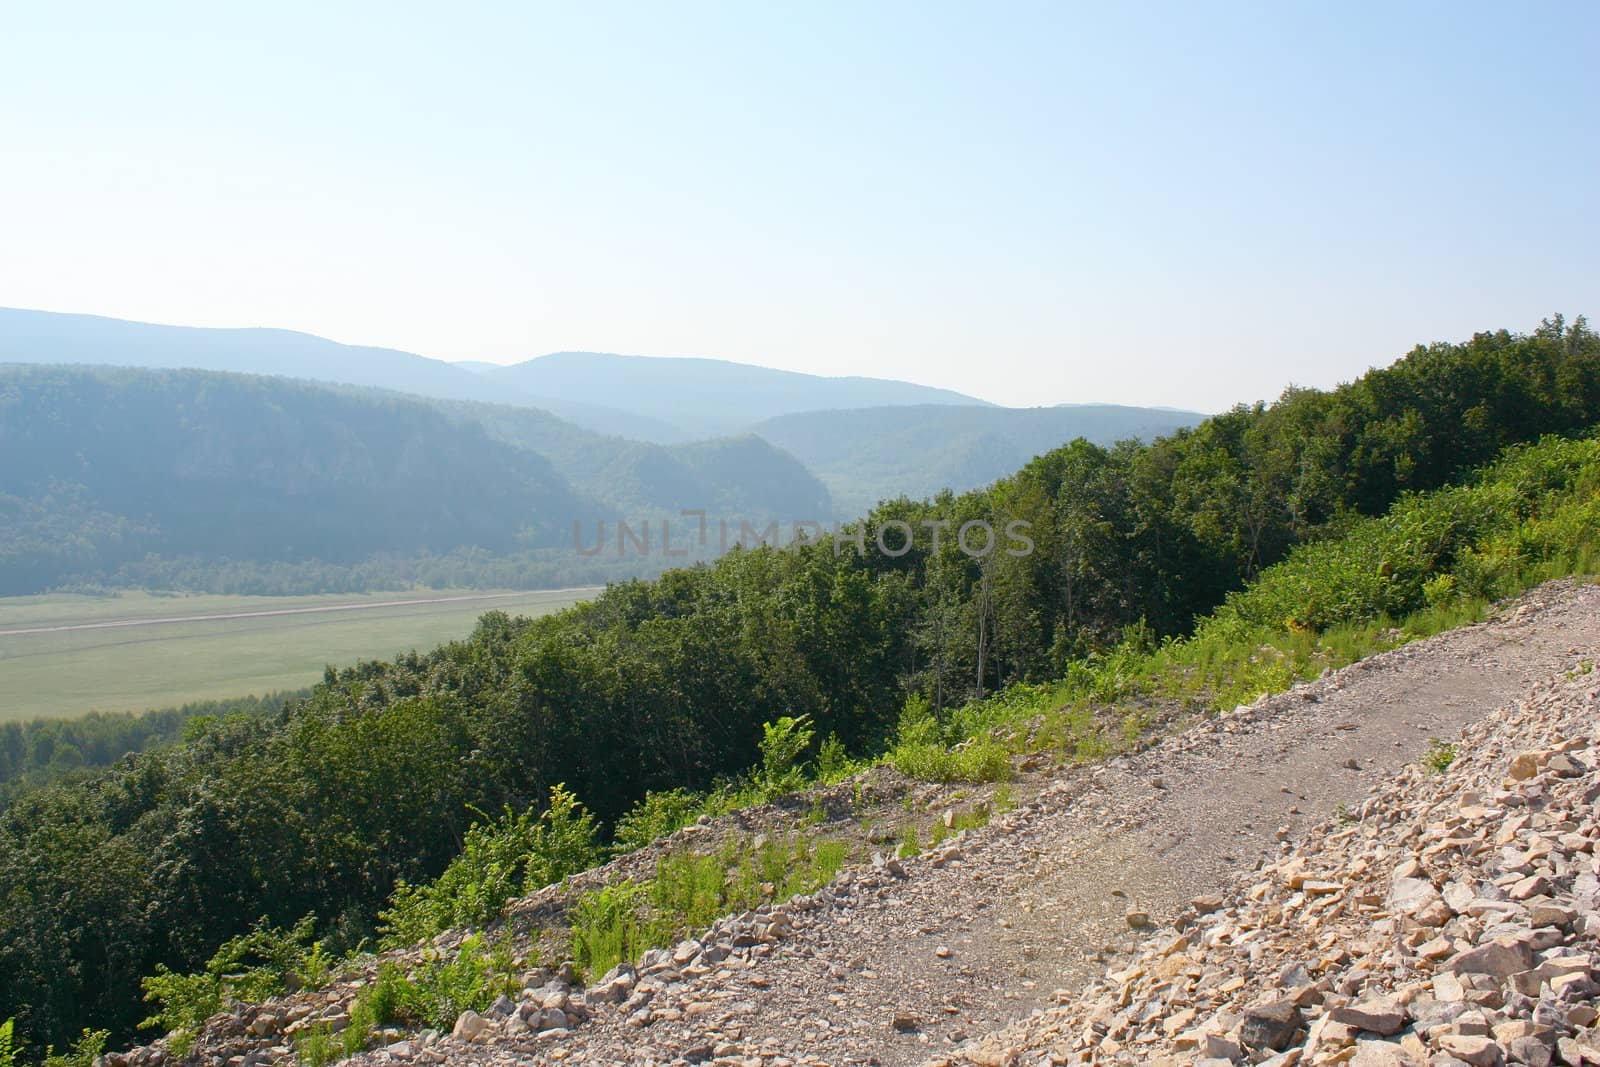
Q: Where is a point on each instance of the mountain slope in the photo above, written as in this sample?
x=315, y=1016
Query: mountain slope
x=871, y=454
x=53, y=338
x=960, y=951
x=739, y=477
x=101, y=466
x=705, y=397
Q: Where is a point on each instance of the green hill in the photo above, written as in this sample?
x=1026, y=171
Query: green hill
x=869, y=454
x=163, y=477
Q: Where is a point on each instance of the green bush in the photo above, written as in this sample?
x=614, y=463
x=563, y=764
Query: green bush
x=245, y=969
x=1439, y=755
x=10, y=1046
x=690, y=891
x=434, y=994
x=833, y=762
x=85, y=1050
x=607, y=928
x=656, y=816
x=500, y=860
x=782, y=744
x=316, y=1046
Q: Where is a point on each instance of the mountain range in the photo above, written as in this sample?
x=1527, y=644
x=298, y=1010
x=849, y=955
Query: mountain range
x=103, y=469
x=648, y=398
x=869, y=453
x=702, y=397
x=134, y=438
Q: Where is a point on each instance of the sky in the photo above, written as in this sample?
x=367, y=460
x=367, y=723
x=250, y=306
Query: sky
x=1180, y=204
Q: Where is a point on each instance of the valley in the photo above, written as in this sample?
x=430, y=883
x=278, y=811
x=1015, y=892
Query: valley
x=64, y=655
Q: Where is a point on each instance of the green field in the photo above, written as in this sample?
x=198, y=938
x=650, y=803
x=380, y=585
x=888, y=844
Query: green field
x=136, y=650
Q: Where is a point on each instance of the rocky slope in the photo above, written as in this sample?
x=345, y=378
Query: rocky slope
x=1341, y=886
x=1451, y=918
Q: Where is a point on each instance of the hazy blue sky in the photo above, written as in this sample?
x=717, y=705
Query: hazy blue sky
x=1181, y=204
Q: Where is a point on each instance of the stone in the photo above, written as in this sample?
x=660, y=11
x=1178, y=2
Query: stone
x=1474, y=1050
x=1500, y=958
x=469, y=1024
x=1270, y=1026
x=1525, y=765
x=1383, y=1054
x=1410, y=895
x=1379, y=1015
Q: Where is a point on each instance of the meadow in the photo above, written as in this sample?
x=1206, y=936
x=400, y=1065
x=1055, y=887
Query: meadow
x=64, y=655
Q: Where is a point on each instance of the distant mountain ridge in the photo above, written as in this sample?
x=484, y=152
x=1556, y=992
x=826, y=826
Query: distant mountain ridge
x=618, y=429
x=868, y=454
x=650, y=398
x=707, y=397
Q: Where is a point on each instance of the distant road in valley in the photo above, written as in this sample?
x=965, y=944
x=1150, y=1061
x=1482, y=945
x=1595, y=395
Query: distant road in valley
x=113, y=624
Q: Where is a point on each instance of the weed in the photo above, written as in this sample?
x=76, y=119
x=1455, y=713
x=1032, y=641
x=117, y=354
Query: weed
x=316, y=1046
x=1439, y=755
x=83, y=1053
x=500, y=860
x=656, y=816
x=689, y=891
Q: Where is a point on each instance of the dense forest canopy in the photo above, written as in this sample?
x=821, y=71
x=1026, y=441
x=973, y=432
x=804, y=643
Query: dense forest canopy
x=323, y=807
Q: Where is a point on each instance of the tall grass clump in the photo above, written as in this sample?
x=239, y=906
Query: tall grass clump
x=691, y=891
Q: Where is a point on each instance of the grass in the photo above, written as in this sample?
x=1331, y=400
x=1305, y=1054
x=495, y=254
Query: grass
x=691, y=891
x=132, y=668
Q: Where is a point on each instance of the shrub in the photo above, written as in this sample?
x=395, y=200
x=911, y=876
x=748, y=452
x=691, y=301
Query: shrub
x=782, y=744
x=85, y=1050
x=316, y=1047
x=435, y=993
x=656, y=816
x=690, y=891
x=500, y=860
x=607, y=928
x=10, y=1046
x=247, y=968
x=833, y=762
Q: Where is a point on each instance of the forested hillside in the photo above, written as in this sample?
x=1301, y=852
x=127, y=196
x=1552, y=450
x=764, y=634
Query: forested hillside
x=103, y=467
x=226, y=483
x=741, y=476
x=43, y=750
x=867, y=454
x=667, y=684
